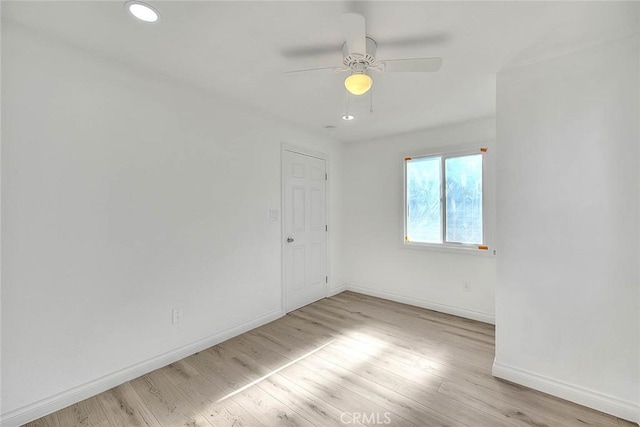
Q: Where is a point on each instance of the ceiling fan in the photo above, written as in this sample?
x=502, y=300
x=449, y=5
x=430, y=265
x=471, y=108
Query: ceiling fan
x=359, y=56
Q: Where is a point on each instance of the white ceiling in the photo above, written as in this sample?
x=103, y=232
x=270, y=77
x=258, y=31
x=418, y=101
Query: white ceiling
x=240, y=49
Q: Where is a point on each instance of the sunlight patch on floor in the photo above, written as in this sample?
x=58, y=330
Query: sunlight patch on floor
x=359, y=346
x=365, y=344
x=275, y=371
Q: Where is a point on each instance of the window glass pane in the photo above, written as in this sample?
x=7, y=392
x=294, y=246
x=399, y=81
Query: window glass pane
x=424, y=215
x=464, y=199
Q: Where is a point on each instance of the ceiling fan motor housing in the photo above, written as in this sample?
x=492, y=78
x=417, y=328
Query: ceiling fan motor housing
x=358, y=62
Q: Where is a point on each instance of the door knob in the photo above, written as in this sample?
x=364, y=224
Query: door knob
x=289, y=239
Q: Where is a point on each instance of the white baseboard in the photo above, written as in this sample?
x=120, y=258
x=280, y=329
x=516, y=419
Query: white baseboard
x=335, y=291
x=582, y=396
x=430, y=305
x=38, y=409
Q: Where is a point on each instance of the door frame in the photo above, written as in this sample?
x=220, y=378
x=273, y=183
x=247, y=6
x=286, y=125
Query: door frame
x=318, y=155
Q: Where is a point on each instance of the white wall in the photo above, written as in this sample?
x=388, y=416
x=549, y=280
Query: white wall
x=375, y=259
x=123, y=197
x=568, y=215
x=0, y=219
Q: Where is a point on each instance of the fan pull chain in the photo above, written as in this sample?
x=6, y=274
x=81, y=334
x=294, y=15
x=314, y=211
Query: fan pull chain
x=371, y=101
x=347, y=116
x=346, y=102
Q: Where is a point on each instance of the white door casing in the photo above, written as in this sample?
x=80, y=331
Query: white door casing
x=304, y=223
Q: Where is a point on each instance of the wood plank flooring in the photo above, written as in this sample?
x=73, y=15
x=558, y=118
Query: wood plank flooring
x=346, y=360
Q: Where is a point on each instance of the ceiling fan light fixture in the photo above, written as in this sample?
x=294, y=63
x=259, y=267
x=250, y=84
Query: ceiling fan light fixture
x=358, y=83
x=142, y=11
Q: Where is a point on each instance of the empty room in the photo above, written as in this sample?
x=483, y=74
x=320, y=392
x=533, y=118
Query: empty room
x=320, y=213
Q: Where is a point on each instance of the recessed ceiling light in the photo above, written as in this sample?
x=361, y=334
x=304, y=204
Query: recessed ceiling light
x=142, y=11
x=348, y=117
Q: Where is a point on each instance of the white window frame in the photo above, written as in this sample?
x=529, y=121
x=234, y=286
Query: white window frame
x=485, y=248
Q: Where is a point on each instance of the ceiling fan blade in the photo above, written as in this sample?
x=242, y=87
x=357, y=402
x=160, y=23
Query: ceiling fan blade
x=310, y=51
x=336, y=69
x=354, y=31
x=413, y=65
x=414, y=41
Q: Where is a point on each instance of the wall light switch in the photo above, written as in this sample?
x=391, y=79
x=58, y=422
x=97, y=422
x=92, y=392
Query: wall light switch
x=274, y=215
x=176, y=315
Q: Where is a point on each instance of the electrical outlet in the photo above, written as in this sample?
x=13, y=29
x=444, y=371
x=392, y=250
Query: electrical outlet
x=466, y=286
x=177, y=315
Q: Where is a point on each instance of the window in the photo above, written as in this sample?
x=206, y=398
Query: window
x=444, y=200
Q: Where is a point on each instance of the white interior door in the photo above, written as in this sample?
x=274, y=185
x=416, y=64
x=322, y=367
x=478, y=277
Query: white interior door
x=305, y=229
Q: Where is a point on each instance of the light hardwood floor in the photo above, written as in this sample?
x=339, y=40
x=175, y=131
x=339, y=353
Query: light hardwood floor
x=346, y=360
